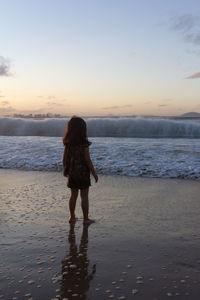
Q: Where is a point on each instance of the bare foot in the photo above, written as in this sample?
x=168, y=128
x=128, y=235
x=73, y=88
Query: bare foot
x=88, y=221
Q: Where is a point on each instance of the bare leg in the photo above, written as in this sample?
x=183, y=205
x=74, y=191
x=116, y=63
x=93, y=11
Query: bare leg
x=85, y=206
x=72, y=204
x=85, y=203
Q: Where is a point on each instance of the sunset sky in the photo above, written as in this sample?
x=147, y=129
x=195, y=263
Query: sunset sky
x=106, y=57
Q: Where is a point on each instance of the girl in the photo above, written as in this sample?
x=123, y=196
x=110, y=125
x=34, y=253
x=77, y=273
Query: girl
x=77, y=166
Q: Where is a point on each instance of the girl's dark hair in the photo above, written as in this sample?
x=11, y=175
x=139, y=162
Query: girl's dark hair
x=76, y=132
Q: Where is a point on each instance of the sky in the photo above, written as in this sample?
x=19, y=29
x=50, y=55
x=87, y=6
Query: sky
x=105, y=57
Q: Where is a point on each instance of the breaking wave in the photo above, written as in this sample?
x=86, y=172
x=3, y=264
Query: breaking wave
x=104, y=127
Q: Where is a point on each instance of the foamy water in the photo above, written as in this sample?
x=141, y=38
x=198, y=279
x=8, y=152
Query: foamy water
x=162, y=158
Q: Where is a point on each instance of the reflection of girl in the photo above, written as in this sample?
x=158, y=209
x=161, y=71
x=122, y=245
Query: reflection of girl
x=77, y=165
x=76, y=280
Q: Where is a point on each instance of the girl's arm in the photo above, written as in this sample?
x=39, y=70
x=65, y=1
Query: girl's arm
x=90, y=164
x=64, y=156
x=64, y=161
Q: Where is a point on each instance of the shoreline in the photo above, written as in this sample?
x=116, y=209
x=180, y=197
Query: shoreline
x=142, y=177
x=144, y=244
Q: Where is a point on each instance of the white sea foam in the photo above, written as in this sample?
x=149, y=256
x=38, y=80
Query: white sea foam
x=104, y=127
x=162, y=158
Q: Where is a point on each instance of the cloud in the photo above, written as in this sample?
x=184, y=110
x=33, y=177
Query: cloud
x=184, y=23
x=193, y=76
x=4, y=103
x=168, y=100
x=7, y=109
x=111, y=107
x=193, y=38
x=4, y=67
x=48, y=97
x=54, y=104
x=51, y=97
x=117, y=106
x=33, y=111
x=189, y=26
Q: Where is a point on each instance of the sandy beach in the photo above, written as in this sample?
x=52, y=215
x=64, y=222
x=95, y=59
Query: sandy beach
x=145, y=243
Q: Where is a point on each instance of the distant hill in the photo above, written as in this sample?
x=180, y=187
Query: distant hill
x=190, y=115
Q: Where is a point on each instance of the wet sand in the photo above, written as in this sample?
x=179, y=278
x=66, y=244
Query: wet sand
x=145, y=243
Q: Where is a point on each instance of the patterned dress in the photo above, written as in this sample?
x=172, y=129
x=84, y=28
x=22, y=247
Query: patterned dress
x=75, y=167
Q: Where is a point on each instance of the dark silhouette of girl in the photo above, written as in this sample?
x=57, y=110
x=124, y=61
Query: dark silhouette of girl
x=77, y=166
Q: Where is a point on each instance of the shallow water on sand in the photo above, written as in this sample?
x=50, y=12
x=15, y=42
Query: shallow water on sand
x=144, y=244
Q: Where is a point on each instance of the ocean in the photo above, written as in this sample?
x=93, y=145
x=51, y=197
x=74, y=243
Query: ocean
x=145, y=147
